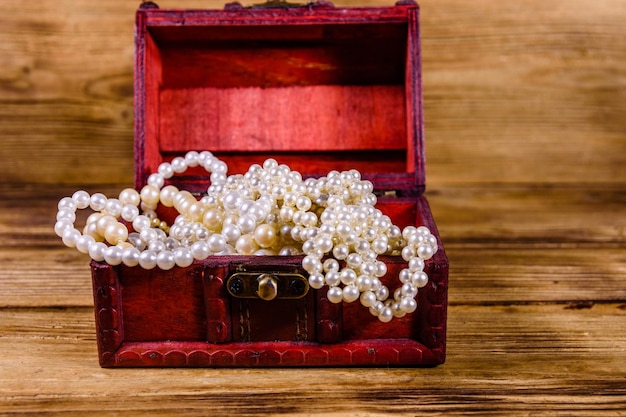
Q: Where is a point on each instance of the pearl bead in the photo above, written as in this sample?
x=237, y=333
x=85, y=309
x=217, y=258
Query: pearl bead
x=195, y=211
x=218, y=178
x=166, y=195
x=382, y=293
x=148, y=259
x=179, y=165
x=343, y=229
x=324, y=244
x=397, y=311
x=246, y=224
x=96, y=251
x=257, y=212
x=348, y=276
x=311, y=264
x=332, y=278
x=231, y=200
x=93, y=217
x=295, y=233
x=81, y=199
x=340, y=252
x=115, y=232
x=303, y=203
x=192, y=158
x=156, y=246
x=289, y=199
x=405, y=275
x=130, y=257
x=231, y=233
x=156, y=180
x=246, y=245
x=363, y=283
x=335, y=295
x=66, y=214
x=385, y=315
x=408, y=290
x=83, y=243
x=129, y=212
x=289, y=251
x=407, y=253
x=354, y=260
x=419, y=279
x=97, y=202
x=150, y=195
x=379, y=245
x=201, y=233
x=67, y=203
x=91, y=229
x=148, y=235
x=368, y=268
x=70, y=237
x=416, y=264
x=140, y=223
x=408, y=231
x=112, y=255
x=129, y=196
x=61, y=225
x=331, y=264
x=212, y=219
x=408, y=304
x=350, y=293
x=265, y=235
x=103, y=222
x=367, y=299
x=216, y=243
x=165, y=170
x=316, y=281
x=200, y=250
x=264, y=252
x=381, y=269
x=165, y=260
x=425, y=251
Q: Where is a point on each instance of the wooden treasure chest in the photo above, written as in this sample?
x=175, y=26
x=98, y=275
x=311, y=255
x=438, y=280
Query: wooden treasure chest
x=319, y=89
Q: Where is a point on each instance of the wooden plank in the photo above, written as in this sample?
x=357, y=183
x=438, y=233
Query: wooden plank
x=516, y=276
x=512, y=92
x=540, y=215
x=577, y=276
x=44, y=277
x=500, y=360
x=524, y=92
x=506, y=245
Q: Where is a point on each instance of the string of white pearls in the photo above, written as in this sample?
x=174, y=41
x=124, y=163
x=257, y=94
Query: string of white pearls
x=269, y=210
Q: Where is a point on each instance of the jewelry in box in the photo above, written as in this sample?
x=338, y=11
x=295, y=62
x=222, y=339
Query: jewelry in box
x=268, y=211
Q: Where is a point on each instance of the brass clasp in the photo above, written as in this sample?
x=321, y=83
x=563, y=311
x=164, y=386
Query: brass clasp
x=267, y=285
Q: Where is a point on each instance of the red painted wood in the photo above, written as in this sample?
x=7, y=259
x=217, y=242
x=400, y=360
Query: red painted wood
x=151, y=328
x=219, y=325
x=318, y=88
x=250, y=83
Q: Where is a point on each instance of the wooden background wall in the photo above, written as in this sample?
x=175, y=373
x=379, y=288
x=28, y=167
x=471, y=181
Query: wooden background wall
x=516, y=92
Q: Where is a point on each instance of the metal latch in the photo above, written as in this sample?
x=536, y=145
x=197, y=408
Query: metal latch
x=267, y=285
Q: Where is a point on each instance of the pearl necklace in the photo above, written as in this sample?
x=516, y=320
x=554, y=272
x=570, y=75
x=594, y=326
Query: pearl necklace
x=270, y=210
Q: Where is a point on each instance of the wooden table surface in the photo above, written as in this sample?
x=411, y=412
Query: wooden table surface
x=526, y=165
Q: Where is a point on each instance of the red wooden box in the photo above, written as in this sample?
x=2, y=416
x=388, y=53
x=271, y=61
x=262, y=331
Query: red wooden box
x=318, y=88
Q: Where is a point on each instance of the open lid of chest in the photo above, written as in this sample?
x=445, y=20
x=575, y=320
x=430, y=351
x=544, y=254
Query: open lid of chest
x=316, y=87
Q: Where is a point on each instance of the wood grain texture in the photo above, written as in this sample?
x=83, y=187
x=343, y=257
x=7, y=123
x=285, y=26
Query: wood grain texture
x=534, y=325
x=526, y=160
x=489, y=371
x=513, y=92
